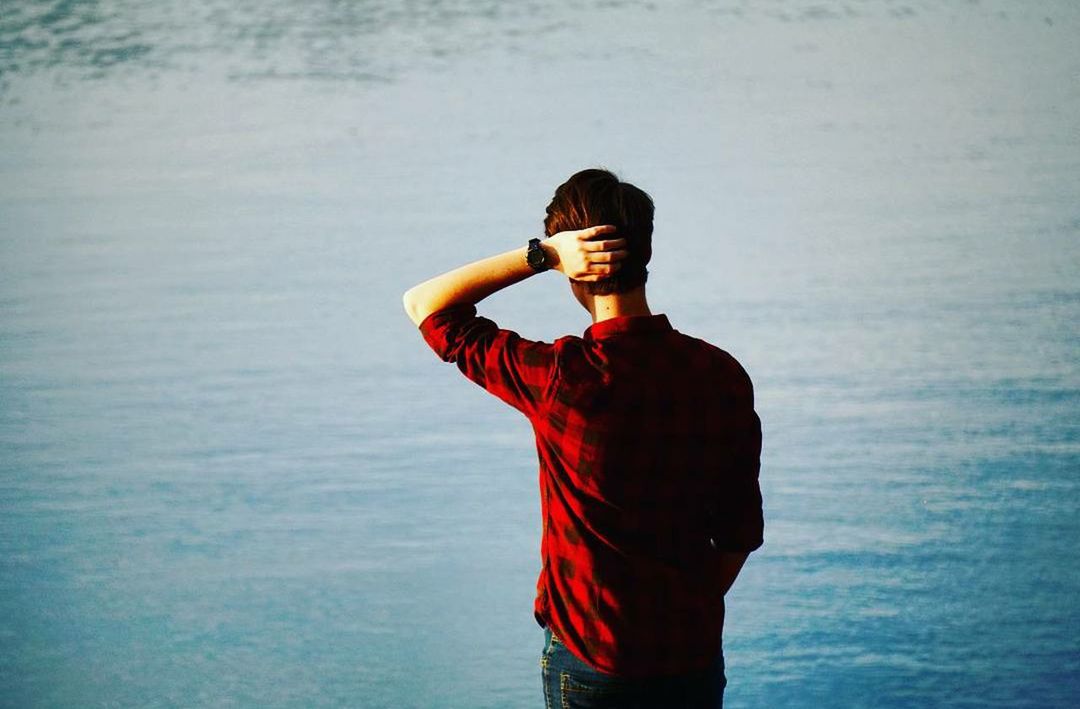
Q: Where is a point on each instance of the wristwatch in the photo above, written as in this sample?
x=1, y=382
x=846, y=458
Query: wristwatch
x=536, y=257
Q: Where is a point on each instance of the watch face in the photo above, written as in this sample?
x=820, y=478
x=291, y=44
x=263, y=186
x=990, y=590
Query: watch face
x=535, y=256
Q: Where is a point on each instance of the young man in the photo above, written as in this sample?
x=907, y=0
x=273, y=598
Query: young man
x=649, y=451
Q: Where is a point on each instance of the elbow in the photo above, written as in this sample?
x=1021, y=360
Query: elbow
x=411, y=307
x=416, y=306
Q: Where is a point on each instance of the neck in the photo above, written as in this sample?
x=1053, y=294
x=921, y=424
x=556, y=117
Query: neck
x=605, y=307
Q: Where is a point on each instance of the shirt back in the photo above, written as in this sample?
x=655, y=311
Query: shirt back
x=649, y=452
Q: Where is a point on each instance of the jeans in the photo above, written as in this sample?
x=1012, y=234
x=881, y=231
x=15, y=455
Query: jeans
x=569, y=683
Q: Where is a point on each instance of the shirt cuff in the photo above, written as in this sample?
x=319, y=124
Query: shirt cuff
x=438, y=327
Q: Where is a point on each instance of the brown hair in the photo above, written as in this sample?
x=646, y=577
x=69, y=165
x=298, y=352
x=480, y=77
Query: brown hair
x=593, y=197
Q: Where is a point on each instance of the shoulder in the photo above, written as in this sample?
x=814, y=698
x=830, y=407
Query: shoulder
x=568, y=347
x=719, y=359
x=568, y=341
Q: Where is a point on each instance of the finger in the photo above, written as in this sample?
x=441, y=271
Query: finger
x=607, y=256
x=594, y=231
x=603, y=268
x=604, y=245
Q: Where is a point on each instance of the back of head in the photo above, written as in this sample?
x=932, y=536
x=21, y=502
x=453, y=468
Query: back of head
x=593, y=197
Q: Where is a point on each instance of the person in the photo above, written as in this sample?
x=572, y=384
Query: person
x=649, y=451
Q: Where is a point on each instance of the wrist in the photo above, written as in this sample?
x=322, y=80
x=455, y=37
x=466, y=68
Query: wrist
x=551, y=254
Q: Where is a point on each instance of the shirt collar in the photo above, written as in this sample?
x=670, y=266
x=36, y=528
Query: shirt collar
x=637, y=324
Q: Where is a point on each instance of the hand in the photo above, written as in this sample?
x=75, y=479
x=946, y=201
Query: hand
x=582, y=256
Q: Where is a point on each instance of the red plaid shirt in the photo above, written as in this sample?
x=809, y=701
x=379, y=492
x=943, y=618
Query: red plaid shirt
x=649, y=453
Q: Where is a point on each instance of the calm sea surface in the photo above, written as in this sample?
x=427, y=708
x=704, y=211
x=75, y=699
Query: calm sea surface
x=233, y=475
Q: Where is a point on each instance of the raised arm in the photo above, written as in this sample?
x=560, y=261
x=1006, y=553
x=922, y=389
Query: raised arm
x=579, y=255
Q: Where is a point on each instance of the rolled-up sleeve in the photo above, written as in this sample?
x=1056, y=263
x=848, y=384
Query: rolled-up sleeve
x=735, y=506
x=739, y=522
x=517, y=370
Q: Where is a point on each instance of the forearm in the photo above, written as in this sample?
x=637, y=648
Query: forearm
x=576, y=254
x=470, y=283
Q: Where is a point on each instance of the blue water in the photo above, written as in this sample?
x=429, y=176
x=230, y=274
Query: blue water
x=232, y=474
